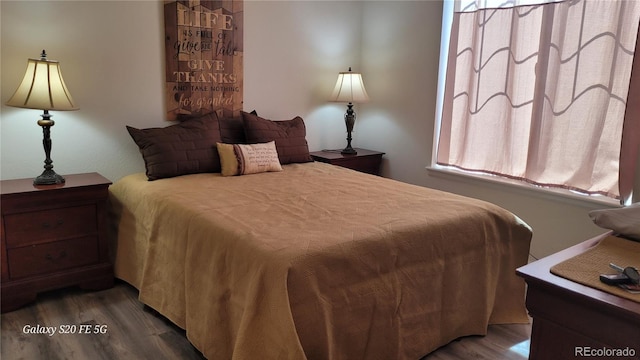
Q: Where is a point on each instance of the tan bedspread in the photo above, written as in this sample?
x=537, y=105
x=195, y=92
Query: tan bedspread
x=317, y=261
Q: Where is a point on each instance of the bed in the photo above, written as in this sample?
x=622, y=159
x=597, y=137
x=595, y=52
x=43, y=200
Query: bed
x=316, y=261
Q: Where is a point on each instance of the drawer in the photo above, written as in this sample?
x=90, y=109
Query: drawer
x=48, y=225
x=367, y=164
x=53, y=256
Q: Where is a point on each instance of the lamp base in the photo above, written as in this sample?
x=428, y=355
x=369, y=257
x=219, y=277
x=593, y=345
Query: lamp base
x=349, y=120
x=349, y=151
x=48, y=177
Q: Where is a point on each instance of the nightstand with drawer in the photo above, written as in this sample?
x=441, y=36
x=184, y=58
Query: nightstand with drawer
x=53, y=236
x=367, y=161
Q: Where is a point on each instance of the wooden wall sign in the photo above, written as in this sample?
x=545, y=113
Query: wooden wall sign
x=204, y=52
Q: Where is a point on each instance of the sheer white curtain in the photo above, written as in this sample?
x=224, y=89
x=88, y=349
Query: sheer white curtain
x=539, y=92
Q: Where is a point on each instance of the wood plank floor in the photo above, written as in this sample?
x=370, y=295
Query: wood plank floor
x=126, y=329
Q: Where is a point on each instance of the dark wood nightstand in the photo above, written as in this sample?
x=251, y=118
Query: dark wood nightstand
x=569, y=317
x=367, y=161
x=53, y=236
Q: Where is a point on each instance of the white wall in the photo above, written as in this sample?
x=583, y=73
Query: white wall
x=400, y=60
x=293, y=53
x=111, y=56
x=111, y=53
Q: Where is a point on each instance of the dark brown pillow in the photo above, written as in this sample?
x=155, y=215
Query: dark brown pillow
x=232, y=130
x=185, y=148
x=289, y=135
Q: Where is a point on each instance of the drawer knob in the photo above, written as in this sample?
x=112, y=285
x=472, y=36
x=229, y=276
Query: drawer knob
x=63, y=254
x=47, y=225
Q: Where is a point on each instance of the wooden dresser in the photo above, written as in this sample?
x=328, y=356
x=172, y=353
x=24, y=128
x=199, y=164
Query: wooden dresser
x=53, y=236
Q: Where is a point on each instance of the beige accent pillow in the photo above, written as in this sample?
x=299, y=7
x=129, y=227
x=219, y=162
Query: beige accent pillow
x=241, y=159
x=625, y=221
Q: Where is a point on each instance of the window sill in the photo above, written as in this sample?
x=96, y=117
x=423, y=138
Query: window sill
x=561, y=195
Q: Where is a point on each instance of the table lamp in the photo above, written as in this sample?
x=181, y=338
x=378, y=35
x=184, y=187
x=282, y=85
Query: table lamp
x=350, y=89
x=43, y=88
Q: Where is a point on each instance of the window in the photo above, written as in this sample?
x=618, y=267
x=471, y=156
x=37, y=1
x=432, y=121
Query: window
x=537, y=91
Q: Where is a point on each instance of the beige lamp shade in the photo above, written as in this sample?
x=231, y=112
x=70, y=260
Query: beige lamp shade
x=349, y=88
x=42, y=88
